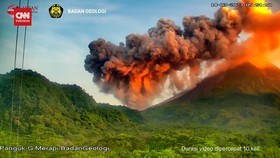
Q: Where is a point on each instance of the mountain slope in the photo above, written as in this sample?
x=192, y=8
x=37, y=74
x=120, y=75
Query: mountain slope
x=54, y=115
x=243, y=79
x=51, y=106
x=239, y=98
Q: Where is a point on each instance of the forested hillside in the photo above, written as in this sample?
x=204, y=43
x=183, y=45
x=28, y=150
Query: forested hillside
x=48, y=116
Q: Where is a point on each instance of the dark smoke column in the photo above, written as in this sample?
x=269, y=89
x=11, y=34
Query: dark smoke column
x=135, y=72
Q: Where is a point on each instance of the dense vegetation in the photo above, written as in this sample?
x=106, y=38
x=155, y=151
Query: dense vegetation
x=54, y=115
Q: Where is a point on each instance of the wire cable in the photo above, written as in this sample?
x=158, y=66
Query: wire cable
x=21, y=78
x=14, y=79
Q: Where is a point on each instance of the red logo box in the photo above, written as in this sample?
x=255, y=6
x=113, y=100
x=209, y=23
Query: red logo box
x=22, y=16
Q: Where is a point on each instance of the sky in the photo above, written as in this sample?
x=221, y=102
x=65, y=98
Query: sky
x=56, y=48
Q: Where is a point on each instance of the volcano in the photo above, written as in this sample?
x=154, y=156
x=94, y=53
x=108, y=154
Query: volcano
x=243, y=79
x=242, y=97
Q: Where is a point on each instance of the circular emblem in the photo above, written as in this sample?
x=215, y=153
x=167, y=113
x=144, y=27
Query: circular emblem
x=56, y=11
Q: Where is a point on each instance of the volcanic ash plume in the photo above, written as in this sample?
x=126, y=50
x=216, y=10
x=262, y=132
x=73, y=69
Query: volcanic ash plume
x=136, y=71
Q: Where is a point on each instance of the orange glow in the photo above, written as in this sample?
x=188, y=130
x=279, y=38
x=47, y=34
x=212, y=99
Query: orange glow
x=261, y=9
x=260, y=61
x=263, y=43
x=274, y=57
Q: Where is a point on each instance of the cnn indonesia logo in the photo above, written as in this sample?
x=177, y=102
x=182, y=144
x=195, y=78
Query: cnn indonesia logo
x=22, y=16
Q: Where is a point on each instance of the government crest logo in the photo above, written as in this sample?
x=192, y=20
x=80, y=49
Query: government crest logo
x=56, y=11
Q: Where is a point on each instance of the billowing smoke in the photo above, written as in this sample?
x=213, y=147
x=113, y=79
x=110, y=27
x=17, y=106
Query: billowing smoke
x=135, y=72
